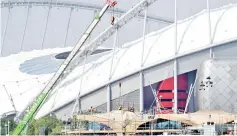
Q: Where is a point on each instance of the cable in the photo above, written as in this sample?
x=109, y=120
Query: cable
x=33, y=87
x=23, y=37
x=5, y=30
x=17, y=81
x=68, y=25
x=10, y=97
x=46, y=26
x=77, y=102
x=114, y=49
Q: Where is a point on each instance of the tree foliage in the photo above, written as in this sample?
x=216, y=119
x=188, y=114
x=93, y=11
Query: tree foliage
x=50, y=123
x=12, y=125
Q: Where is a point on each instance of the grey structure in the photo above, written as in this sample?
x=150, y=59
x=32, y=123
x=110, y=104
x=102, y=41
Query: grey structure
x=186, y=63
x=217, y=85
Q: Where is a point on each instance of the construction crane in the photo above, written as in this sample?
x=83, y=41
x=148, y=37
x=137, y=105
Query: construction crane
x=40, y=99
x=65, y=68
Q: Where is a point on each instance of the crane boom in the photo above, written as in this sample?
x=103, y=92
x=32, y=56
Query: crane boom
x=39, y=100
x=102, y=37
x=75, y=54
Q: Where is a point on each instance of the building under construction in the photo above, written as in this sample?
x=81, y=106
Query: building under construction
x=180, y=78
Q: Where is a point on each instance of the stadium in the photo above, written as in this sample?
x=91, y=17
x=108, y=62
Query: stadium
x=164, y=60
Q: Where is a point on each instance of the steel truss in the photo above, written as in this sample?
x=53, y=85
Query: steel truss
x=93, y=45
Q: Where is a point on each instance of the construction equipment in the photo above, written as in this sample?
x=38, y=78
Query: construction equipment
x=112, y=4
x=65, y=68
x=40, y=99
x=101, y=38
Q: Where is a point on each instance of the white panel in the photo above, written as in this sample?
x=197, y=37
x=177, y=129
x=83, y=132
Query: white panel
x=158, y=73
x=191, y=62
x=15, y=30
x=94, y=99
x=65, y=112
x=128, y=84
x=35, y=28
x=57, y=27
x=227, y=51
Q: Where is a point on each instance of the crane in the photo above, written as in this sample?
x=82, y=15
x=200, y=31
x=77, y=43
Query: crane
x=42, y=96
x=65, y=68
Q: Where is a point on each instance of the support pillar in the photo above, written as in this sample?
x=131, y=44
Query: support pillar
x=108, y=98
x=143, y=36
x=141, y=92
x=141, y=73
x=175, y=91
x=209, y=27
x=114, y=48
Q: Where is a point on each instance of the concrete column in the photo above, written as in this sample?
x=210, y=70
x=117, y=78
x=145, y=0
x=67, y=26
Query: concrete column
x=175, y=91
x=175, y=61
x=209, y=27
x=144, y=36
x=108, y=98
x=141, y=92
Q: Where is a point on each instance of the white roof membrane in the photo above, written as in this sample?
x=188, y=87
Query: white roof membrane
x=159, y=45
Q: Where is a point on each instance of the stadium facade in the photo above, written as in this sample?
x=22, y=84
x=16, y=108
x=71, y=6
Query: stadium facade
x=128, y=75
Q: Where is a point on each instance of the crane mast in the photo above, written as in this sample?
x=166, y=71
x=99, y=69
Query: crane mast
x=39, y=100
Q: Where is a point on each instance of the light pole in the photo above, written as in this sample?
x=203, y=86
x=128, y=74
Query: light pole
x=0, y=125
x=5, y=128
x=8, y=127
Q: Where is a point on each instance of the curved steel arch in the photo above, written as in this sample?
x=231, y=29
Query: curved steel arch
x=80, y=6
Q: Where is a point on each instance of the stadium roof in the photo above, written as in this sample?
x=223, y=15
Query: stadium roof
x=159, y=46
x=68, y=19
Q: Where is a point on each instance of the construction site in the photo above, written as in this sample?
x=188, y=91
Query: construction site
x=113, y=67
